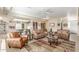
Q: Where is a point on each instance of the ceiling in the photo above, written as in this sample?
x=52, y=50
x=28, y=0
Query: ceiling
x=40, y=12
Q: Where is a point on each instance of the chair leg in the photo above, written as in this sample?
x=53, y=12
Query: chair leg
x=20, y=47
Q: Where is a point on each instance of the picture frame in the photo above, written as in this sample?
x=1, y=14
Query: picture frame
x=58, y=24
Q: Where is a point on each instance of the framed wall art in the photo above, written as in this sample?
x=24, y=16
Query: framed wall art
x=52, y=24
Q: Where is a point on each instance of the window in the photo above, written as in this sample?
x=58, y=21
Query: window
x=35, y=25
x=18, y=26
x=43, y=26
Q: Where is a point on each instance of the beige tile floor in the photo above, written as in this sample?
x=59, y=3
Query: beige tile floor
x=73, y=37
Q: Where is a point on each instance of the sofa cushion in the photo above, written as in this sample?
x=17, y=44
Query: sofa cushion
x=63, y=34
x=39, y=34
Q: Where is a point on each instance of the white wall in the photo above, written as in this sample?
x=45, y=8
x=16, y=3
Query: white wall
x=52, y=21
x=56, y=21
x=8, y=27
x=73, y=22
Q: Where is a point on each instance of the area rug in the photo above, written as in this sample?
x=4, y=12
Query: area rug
x=64, y=46
x=42, y=45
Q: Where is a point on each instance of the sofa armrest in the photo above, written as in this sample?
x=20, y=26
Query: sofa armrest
x=15, y=42
x=25, y=39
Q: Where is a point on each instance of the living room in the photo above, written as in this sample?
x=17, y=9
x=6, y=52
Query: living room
x=29, y=29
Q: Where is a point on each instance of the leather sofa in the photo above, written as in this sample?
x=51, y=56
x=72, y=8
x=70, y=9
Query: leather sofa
x=37, y=34
x=63, y=34
x=15, y=40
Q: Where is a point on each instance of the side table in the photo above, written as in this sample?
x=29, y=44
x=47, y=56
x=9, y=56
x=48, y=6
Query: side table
x=30, y=36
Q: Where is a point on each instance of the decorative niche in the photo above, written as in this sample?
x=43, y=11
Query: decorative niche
x=58, y=24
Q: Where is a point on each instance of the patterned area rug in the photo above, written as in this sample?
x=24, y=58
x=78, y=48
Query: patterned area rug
x=43, y=46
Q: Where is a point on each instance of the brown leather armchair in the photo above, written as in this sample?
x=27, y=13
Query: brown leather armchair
x=15, y=40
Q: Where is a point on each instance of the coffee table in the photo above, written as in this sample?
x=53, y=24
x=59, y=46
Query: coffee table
x=53, y=40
